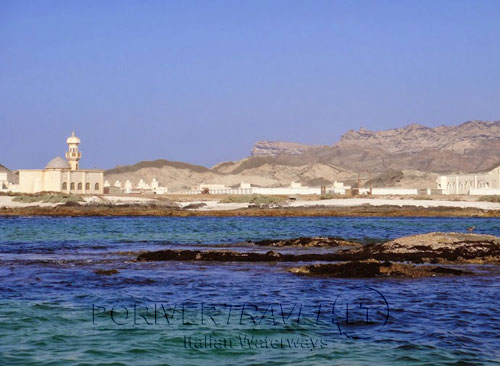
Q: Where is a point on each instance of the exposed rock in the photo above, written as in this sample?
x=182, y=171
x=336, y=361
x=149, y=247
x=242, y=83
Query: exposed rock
x=106, y=272
x=415, y=138
x=389, y=178
x=194, y=206
x=471, y=146
x=426, y=248
x=307, y=242
x=370, y=269
x=71, y=204
x=213, y=256
x=274, y=148
x=434, y=247
x=236, y=256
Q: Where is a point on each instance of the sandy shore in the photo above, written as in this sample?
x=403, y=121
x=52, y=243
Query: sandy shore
x=145, y=206
x=353, y=202
x=7, y=201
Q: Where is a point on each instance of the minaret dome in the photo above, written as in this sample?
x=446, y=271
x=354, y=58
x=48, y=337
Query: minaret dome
x=73, y=155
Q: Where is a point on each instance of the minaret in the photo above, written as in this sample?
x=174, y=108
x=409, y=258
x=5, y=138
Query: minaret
x=73, y=155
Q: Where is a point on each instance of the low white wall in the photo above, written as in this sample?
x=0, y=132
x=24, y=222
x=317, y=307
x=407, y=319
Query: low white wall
x=261, y=190
x=484, y=192
x=394, y=191
x=231, y=191
x=287, y=190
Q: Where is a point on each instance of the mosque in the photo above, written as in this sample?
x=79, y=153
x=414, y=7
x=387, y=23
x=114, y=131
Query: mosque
x=63, y=175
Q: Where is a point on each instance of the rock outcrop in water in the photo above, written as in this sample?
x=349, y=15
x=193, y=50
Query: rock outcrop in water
x=424, y=248
x=106, y=272
x=369, y=269
x=231, y=256
x=353, y=269
x=372, y=260
x=307, y=242
x=434, y=248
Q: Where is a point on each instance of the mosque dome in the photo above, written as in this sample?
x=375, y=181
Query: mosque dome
x=57, y=163
x=73, y=139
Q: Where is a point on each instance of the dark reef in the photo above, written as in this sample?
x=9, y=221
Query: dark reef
x=372, y=260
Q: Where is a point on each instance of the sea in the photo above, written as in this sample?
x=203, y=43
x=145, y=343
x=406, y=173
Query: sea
x=72, y=293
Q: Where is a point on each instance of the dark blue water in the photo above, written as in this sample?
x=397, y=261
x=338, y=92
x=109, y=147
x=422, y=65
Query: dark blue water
x=55, y=310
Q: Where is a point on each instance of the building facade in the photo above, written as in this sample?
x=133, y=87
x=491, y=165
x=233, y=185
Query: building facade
x=487, y=183
x=62, y=175
x=4, y=183
x=141, y=188
x=246, y=188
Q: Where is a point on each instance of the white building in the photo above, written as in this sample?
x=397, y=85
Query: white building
x=4, y=184
x=62, y=175
x=487, y=183
x=338, y=188
x=295, y=188
x=244, y=188
x=142, y=187
x=394, y=191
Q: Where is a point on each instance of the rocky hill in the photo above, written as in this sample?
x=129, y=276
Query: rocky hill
x=411, y=156
x=469, y=147
x=415, y=138
x=263, y=172
x=275, y=148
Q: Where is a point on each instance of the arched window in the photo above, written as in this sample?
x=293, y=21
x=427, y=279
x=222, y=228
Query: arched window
x=72, y=186
x=87, y=186
x=79, y=186
x=65, y=186
x=96, y=186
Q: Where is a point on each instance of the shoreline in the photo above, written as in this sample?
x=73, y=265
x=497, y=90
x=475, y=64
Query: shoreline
x=325, y=211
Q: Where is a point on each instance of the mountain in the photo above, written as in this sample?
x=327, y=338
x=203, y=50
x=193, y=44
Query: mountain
x=469, y=147
x=411, y=156
x=416, y=138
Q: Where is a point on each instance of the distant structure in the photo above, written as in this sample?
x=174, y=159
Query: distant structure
x=73, y=156
x=483, y=184
x=394, y=191
x=4, y=183
x=62, y=175
x=295, y=188
x=141, y=188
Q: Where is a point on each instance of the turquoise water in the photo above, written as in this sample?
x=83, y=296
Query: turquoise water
x=55, y=310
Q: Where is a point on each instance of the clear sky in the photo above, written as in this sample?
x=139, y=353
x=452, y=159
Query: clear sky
x=201, y=81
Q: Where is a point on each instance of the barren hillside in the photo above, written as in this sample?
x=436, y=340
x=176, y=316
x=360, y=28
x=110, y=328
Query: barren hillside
x=266, y=174
x=411, y=156
x=469, y=147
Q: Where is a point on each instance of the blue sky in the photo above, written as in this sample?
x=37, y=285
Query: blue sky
x=201, y=81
